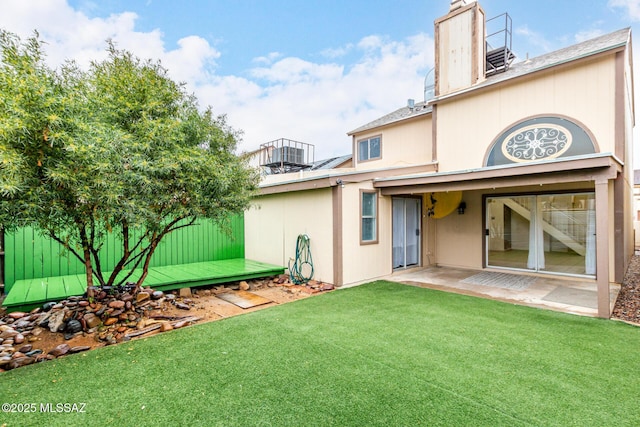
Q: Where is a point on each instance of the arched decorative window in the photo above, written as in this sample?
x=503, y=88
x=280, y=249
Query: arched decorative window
x=540, y=138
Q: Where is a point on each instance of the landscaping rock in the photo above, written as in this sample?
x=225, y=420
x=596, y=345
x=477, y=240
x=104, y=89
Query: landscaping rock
x=111, y=321
x=26, y=348
x=9, y=333
x=115, y=314
x=73, y=326
x=17, y=315
x=60, y=350
x=116, y=304
x=47, y=306
x=142, y=296
x=180, y=324
x=182, y=306
x=21, y=361
x=56, y=320
x=92, y=320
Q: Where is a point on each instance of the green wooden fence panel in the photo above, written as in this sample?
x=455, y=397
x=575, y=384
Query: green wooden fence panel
x=29, y=255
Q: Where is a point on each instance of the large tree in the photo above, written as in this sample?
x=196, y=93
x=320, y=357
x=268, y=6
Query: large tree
x=118, y=148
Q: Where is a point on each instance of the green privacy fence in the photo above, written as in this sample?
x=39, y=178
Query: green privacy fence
x=28, y=255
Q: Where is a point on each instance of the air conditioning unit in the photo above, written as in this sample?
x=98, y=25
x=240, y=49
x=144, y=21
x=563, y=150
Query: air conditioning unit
x=288, y=155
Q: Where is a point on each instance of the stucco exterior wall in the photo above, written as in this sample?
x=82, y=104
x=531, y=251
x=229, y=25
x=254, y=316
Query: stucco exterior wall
x=404, y=144
x=474, y=121
x=273, y=225
x=630, y=238
x=364, y=262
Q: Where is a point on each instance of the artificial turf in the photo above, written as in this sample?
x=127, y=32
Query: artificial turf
x=378, y=354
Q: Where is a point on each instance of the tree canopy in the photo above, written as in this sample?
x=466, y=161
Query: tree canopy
x=118, y=148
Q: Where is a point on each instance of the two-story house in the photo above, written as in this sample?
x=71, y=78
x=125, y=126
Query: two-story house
x=522, y=167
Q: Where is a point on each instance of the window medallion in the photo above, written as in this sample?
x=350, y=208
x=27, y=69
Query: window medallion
x=535, y=142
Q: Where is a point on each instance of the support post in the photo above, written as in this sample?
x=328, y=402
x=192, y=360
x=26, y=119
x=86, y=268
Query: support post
x=602, y=248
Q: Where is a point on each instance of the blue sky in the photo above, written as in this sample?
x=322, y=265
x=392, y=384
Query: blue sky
x=307, y=70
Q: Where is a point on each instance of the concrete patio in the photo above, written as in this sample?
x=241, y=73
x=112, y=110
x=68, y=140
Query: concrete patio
x=569, y=295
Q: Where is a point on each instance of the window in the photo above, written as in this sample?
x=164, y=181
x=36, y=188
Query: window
x=368, y=217
x=369, y=149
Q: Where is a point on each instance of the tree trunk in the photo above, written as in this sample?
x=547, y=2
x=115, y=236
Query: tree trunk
x=126, y=253
x=88, y=266
x=145, y=268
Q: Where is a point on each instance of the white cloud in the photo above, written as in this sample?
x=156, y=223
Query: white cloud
x=535, y=39
x=268, y=59
x=319, y=103
x=631, y=7
x=313, y=102
x=333, y=53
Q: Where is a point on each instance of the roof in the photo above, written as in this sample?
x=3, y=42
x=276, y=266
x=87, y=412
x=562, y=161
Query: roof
x=607, y=42
x=404, y=113
x=587, y=48
x=330, y=163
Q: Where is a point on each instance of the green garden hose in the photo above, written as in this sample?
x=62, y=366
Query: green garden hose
x=302, y=269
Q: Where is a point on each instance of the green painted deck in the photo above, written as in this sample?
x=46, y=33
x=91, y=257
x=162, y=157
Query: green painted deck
x=31, y=292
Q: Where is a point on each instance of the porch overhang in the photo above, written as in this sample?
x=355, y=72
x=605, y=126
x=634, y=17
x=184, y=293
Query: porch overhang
x=598, y=168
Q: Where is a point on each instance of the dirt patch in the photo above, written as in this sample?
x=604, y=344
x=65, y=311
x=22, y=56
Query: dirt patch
x=26, y=339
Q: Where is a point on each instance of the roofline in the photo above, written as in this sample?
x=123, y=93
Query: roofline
x=340, y=178
x=486, y=84
x=555, y=171
x=427, y=110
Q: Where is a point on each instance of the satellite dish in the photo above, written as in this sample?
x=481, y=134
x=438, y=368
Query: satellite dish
x=439, y=205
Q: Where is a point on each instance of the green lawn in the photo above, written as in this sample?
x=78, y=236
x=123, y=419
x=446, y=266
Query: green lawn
x=379, y=354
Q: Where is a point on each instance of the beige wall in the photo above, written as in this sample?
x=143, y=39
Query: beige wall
x=405, y=144
x=370, y=261
x=273, y=225
x=628, y=171
x=472, y=122
x=452, y=230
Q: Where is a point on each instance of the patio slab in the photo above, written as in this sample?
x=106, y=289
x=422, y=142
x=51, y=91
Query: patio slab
x=569, y=295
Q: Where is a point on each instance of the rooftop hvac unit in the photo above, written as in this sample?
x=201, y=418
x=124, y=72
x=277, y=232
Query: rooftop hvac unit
x=290, y=155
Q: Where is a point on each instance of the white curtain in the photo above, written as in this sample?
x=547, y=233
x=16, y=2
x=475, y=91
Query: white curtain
x=536, y=236
x=590, y=255
x=398, y=233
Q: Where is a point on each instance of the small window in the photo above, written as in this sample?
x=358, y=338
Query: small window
x=368, y=217
x=369, y=149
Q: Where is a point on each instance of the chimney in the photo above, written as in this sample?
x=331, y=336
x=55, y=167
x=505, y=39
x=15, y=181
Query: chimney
x=460, y=47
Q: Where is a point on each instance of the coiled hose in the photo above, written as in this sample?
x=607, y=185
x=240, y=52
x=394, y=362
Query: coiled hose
x=301, y=268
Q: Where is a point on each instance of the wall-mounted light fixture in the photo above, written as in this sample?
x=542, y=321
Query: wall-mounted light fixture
x=461, y=207
x=340, y=182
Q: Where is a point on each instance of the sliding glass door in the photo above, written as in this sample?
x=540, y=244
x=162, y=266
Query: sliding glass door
x=551, y=232
x=406, y=232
